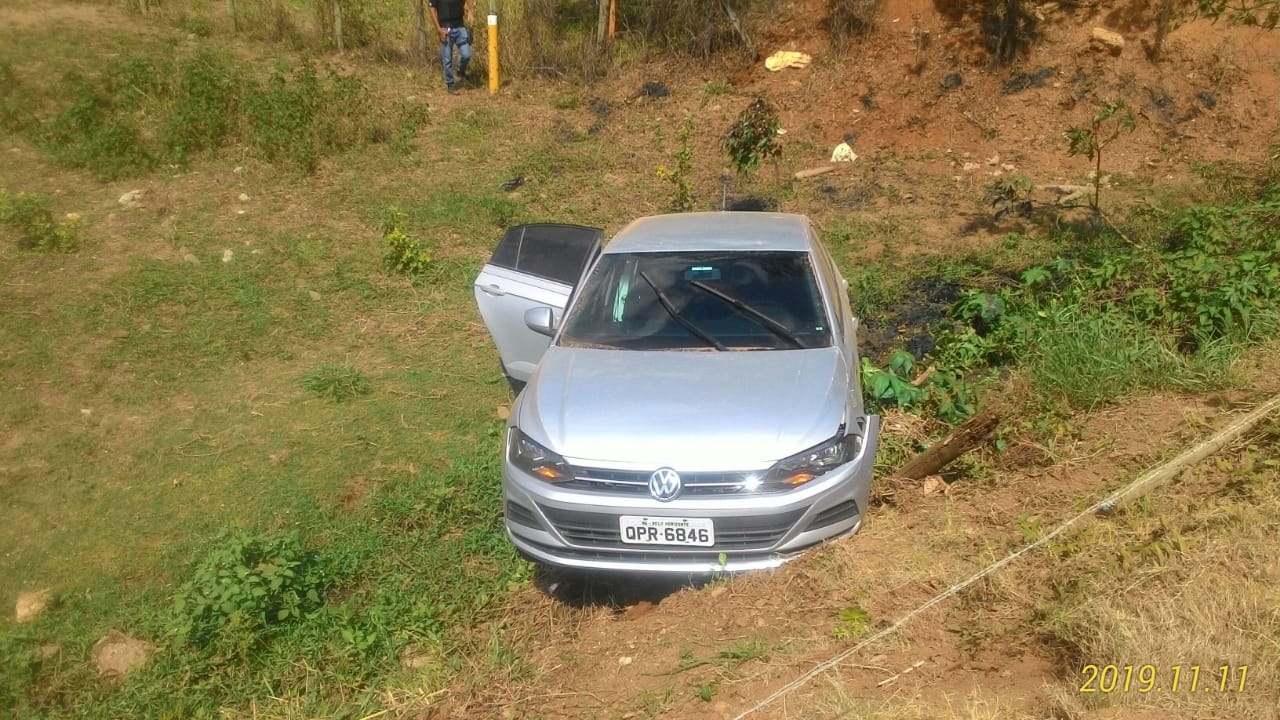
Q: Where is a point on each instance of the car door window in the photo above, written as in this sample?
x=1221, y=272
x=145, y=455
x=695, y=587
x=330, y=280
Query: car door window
x=552, y=252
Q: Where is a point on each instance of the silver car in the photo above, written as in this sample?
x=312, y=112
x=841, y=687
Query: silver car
x=692, y=401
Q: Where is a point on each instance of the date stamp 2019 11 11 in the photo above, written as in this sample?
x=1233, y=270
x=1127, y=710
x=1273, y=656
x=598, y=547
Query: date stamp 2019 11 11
x=1161, y=679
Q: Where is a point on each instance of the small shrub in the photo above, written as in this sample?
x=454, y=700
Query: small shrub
x=282, y=115
x=406, y=254
x=247, y=586
x=754, y=137
x=204, y=111
x=336, y=383
x=299, y=118
x=91, y=134
x=1010, y=195
x=29, y=216
x=137, y=81
x=681, y=188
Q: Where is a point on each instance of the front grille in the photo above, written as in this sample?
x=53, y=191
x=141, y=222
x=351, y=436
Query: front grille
x=636, y=482
x=522, y=515
x=834, y=514
x=733, y=533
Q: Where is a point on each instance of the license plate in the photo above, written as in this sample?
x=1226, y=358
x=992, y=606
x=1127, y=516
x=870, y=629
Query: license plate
x=639, y=530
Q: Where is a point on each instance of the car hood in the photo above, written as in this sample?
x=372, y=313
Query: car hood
x=691, y=410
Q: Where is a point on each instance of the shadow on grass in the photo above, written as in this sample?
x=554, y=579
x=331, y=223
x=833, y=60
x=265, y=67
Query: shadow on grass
x=580, y=589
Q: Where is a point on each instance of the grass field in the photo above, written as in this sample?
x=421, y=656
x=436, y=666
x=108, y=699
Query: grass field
x=232, y=430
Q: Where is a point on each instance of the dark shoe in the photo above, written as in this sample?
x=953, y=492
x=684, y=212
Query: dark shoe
x=453, y=88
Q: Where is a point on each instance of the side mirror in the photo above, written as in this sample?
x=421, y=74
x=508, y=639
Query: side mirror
x=540, y=320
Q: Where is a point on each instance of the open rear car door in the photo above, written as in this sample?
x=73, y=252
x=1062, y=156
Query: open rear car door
x=535, y=265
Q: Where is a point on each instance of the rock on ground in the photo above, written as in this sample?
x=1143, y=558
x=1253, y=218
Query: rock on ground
x=31, y=604
x=1103, y=39
x=117, y=655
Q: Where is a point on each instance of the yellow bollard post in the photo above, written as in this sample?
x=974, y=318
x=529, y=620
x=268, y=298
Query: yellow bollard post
x=493, y=53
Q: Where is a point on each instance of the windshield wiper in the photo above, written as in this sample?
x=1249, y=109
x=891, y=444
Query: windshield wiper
x=763, y=320
x=675, y=315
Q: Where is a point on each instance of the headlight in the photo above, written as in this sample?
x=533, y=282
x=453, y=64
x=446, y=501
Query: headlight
x=815, y=462
x=535, y=459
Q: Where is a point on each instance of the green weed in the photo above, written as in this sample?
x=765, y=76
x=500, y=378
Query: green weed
x=29, y=217
x=336, y=383
x=405, y=254
x=852, y=622
x=247, y=585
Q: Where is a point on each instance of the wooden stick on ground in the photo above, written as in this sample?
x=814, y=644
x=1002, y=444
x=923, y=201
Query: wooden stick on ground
x=811, y=172
x=968, y=436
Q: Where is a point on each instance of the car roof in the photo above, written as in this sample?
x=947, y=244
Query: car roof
x=729, y=230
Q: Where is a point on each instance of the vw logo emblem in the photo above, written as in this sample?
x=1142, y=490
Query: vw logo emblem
x=664, y=484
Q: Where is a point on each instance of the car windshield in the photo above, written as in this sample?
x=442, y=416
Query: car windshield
x=699, y=300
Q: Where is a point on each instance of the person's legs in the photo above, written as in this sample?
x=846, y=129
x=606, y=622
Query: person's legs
x=446, y=56
x=464, y=51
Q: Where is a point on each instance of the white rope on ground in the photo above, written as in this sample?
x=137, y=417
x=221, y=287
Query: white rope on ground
x=1143, y=483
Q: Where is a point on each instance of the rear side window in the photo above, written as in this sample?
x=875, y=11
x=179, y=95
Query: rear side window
x=553, y=252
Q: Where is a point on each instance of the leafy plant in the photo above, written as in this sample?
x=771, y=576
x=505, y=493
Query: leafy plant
x=852, y=622
x=754, y=137
x=406, y=254
x=336, y=383
x=1010, y=195
x=1104, y=127
x=247, y=586
x=682, y=189
x=29, y=216
x=892, y=385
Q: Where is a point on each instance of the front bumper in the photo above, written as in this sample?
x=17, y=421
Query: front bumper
x=580, y=528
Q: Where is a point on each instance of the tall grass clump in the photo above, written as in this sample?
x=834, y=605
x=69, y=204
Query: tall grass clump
x=144, y=110
x=96, y=133
x=204, y=115
x=296, y=118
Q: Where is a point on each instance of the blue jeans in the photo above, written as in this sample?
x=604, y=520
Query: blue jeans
x=461, y=38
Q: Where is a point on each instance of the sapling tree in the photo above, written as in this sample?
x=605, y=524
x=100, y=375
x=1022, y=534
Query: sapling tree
x=753, y=137
x=1113, y=119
